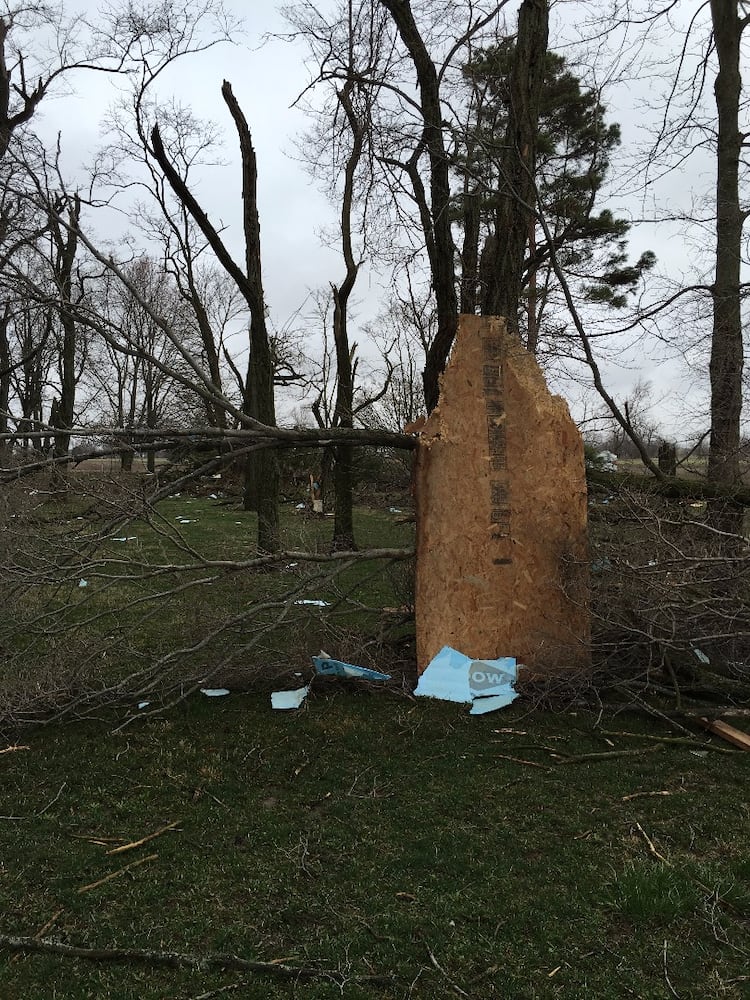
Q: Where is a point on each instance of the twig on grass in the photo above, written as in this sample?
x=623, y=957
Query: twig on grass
x=13, y=749
x=672, y=990
x=41, y=812
x=520, y=760
x=454, y=986
x=144, y=840
x=52, y=801
x=581, y=758
x=652, y=849
x=120, y=871
x=181, y=960
x=644, y=795
x=241, y=984
x=684, y=741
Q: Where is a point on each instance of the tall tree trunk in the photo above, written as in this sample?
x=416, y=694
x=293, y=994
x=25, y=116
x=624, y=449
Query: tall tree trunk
x=470, y=249
x=66, y=239
x=439, y=238
x=263, y=466
x=343, y=414
x=262, y=477
x=503, y=257
x=5, y=380
x=726, y=342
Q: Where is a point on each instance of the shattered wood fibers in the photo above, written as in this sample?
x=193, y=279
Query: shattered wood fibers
x=501, y=500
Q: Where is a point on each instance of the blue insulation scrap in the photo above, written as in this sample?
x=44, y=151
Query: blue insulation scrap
x=335, y=668
x=485, y=684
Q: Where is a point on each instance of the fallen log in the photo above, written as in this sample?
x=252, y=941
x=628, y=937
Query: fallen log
x=669, y=486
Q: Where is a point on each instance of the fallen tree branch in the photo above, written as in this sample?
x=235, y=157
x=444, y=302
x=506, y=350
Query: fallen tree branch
x=670, y=487
x=182, y=960
x=606, y=755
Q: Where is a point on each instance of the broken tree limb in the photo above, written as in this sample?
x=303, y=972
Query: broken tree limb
x=673, y=488
x=606, y=755
x=672, y=740
x=178, y=960
x=144, y=840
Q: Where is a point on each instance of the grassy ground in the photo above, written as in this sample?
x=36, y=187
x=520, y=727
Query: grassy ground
x=368, y=834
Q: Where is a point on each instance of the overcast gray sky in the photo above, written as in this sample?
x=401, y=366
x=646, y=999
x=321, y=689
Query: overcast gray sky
x=266, y=76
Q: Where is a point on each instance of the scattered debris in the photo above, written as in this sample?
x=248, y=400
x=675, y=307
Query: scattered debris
x=83, y=583
x=486, y=684
x=130, y=538
x=701, y=656
x=214, y=692
x=143, y=704
x=606, y=461
x=329, y=667
x=315, y=604
x=285, y=700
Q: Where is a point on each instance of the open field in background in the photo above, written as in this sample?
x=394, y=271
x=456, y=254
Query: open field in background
x=369, y=835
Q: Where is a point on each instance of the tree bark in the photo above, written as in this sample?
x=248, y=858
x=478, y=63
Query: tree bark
x=439, y=239
x=262, y=477
x=262, y=489
x=727, y=358
x=67, y=246
x=5, y=383
x=343, y=414
x=504, y=253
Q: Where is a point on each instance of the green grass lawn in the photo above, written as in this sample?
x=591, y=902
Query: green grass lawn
x=371, y=835
x=367, y=845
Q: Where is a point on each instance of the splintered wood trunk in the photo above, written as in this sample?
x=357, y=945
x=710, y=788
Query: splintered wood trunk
x=727, y=359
